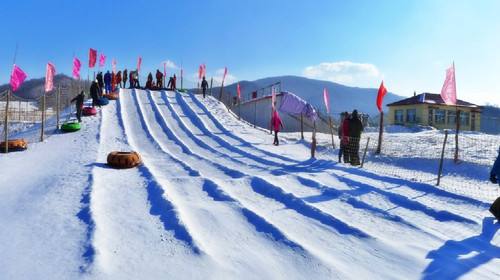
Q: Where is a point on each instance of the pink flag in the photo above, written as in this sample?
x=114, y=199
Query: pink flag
x=139, y=61
x=113, y=63
x=204, y=70
x=449, y=90
x=200, y=71
x=49, y=77
x=225, y=73
x=92, y=57
x=164, y=70
x=238, y=90
x=102, y=60
x=76, y=68
x=17, y=78
x=326, y=98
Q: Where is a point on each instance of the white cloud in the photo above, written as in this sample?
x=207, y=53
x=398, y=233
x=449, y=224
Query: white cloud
x=345, y=72
x=170, y=64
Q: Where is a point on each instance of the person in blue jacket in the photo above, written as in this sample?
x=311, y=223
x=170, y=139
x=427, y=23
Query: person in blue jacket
x=495, y=170
x=107, y=81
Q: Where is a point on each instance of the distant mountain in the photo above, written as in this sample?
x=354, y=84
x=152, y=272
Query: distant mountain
x=490, y=119
x=342, y=98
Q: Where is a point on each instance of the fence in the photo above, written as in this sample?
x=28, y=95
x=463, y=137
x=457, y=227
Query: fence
x=28, y=113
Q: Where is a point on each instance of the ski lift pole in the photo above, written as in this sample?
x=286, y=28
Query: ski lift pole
x=6, y=123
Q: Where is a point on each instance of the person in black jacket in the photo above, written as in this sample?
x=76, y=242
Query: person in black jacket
x=107, y=82
x=149, y=81
x=79, y=105
x=204, y=86
x=100, y=81
x=355, y=129
x=94, y=93
x=124, y=78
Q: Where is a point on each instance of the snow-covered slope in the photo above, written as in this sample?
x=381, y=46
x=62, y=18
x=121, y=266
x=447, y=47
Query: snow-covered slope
x=214, y=199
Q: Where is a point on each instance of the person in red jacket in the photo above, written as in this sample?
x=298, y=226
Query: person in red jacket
x=276, y=124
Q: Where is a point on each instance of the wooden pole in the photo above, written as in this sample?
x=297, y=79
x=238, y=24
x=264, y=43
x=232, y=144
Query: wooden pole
x=301, y=126
x=440, y=170
x=6, y=123
x=221, y=89
x=43, y=117
x=313, y=142
x=58, y=101
x=211, y=83
x=364, y=153
x=331, y=131
x=380, y=133
x=239, y=109
x=456, y=135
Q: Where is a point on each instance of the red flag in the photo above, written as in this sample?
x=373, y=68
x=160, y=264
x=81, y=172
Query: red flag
x=326, y=98
x=380, y=96
x=204, y=70
x=76, y=68
x=17, y=78
x=238, y=90
x=139, y=61
x=449, y=90
x=225, y=73
x=92, y=57
x=49, y=77
x=164, y=71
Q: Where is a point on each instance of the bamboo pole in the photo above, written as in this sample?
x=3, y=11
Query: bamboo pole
x=6, y=123
x=43, y=117
x=255, y=113
x=211, y=83
x=239, y=109
x=380, y=133
x=221, y=89
x=301, y=126
x=313, y=142
x=58, y=105
x=331, y=131
x=364, y=153
x=440, y=170
x=456, y=135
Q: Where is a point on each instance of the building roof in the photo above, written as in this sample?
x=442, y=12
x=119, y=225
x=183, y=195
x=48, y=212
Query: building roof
x=430, y=98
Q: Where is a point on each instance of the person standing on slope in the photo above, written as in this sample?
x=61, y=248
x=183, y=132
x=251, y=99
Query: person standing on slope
x=119, y=79
x=276, y=124
x=94, y=93
x=107, y=82
x=174, y=83
x=79, y=105
x=149, y=82
x=124, y=78
x=204, y=86
x=159, y=79
x=495, y=179
x=355, y=129
x=100, y=81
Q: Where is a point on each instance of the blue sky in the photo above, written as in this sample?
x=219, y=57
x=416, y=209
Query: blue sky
x=408, y=43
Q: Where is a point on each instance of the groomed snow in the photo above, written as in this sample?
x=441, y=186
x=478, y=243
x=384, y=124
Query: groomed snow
x=215, y=199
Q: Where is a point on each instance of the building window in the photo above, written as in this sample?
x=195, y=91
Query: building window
x=452, y=117
x=398, y=116
x=411, y=115
x=439, y=116
x=464, y=118
x=431, y=116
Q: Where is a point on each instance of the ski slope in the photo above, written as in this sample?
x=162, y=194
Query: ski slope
x=214, y=199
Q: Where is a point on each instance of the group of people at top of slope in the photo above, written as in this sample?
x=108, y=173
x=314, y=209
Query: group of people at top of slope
x=151, y=85
x=349, y=132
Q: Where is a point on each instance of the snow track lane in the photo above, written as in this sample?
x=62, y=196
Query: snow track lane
x=251, y=198
x=212, y=215
x=130, y=216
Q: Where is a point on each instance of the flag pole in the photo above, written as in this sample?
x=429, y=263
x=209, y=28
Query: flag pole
x=6, y=121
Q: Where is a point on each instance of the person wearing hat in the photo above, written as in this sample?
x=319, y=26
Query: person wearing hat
x=94, y=93
x=355, y=129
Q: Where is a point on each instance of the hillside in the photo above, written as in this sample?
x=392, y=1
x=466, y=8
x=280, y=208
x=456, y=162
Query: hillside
x=342, y=98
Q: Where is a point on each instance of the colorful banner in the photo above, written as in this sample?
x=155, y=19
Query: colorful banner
x=326, y=98
x=49, y=77
x=382, y=91
x=102, y=60
x=238, y=90
x=449, y=90
x=92, y=57
x=139, y=62
x=17, y=78
x=200, y=71
x=76, y=68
